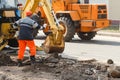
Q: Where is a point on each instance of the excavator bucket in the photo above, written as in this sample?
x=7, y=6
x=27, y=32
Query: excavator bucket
x=50, y=45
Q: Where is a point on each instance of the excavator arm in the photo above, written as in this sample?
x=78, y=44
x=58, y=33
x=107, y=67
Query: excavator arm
x=54, y=43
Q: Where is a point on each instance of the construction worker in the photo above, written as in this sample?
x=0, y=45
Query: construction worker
x=36, y=17
x=25, y=38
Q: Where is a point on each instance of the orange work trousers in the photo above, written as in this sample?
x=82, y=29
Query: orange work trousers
x=22, y=47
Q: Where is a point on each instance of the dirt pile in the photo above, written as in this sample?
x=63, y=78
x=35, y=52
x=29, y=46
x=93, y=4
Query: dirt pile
x=5, y=60
x=54, y=69
x=69, y=69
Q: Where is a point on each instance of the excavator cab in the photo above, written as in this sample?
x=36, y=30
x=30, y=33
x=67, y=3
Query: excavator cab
x=9, y=13
x=9, y=5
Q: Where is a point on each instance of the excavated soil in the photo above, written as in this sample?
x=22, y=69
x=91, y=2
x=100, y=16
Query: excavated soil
x=53, y=69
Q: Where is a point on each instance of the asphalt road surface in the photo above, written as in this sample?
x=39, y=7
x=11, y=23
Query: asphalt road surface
x=100, y=48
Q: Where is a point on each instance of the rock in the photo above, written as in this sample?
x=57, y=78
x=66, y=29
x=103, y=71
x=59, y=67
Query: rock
x=98, y=67
x=2, y=77
x=5, y=59
x=114, y=74
x=112, y=70
x=52, y=60
x=70, y=62
x=110, y=61
x=89, y=71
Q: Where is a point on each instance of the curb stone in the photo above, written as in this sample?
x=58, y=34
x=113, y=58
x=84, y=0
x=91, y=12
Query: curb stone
x=105, y=33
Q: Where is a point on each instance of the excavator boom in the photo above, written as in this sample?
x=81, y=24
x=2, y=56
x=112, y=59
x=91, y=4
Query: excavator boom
x=54, y=42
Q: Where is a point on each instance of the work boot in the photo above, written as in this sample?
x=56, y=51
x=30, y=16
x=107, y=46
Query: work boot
x=19, y=63
x=32, y=59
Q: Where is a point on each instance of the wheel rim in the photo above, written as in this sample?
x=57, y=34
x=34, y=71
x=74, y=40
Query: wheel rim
x=69, y=29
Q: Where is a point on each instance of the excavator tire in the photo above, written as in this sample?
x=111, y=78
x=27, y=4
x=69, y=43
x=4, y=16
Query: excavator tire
x=69, y=28
x=13, y=42
x=86, y=35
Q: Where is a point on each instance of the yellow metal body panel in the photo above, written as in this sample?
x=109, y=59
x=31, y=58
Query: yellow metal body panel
x=2, y=46
x=87, y=23
x=91, y=25
x=102, y=23
x=6, y=30
x=4, y=34
x=30, y=5
x=5, y=27
x=70, y=1
x=59, y=3
x=84, y=10
x=73, y=14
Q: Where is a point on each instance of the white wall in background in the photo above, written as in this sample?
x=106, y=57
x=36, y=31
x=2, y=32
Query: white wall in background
x=114, y=11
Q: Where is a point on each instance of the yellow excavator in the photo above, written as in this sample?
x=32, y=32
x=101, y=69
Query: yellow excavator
x=9, y=13
x=54, y=43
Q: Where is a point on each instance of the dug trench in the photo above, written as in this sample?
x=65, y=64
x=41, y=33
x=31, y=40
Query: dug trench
x=60, y=68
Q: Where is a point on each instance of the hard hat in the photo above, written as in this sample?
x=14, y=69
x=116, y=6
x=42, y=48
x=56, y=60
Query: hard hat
x=28, y=13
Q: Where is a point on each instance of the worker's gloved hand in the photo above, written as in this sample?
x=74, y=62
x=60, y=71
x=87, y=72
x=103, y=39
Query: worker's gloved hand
x=43, y=27
x=15, y=26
